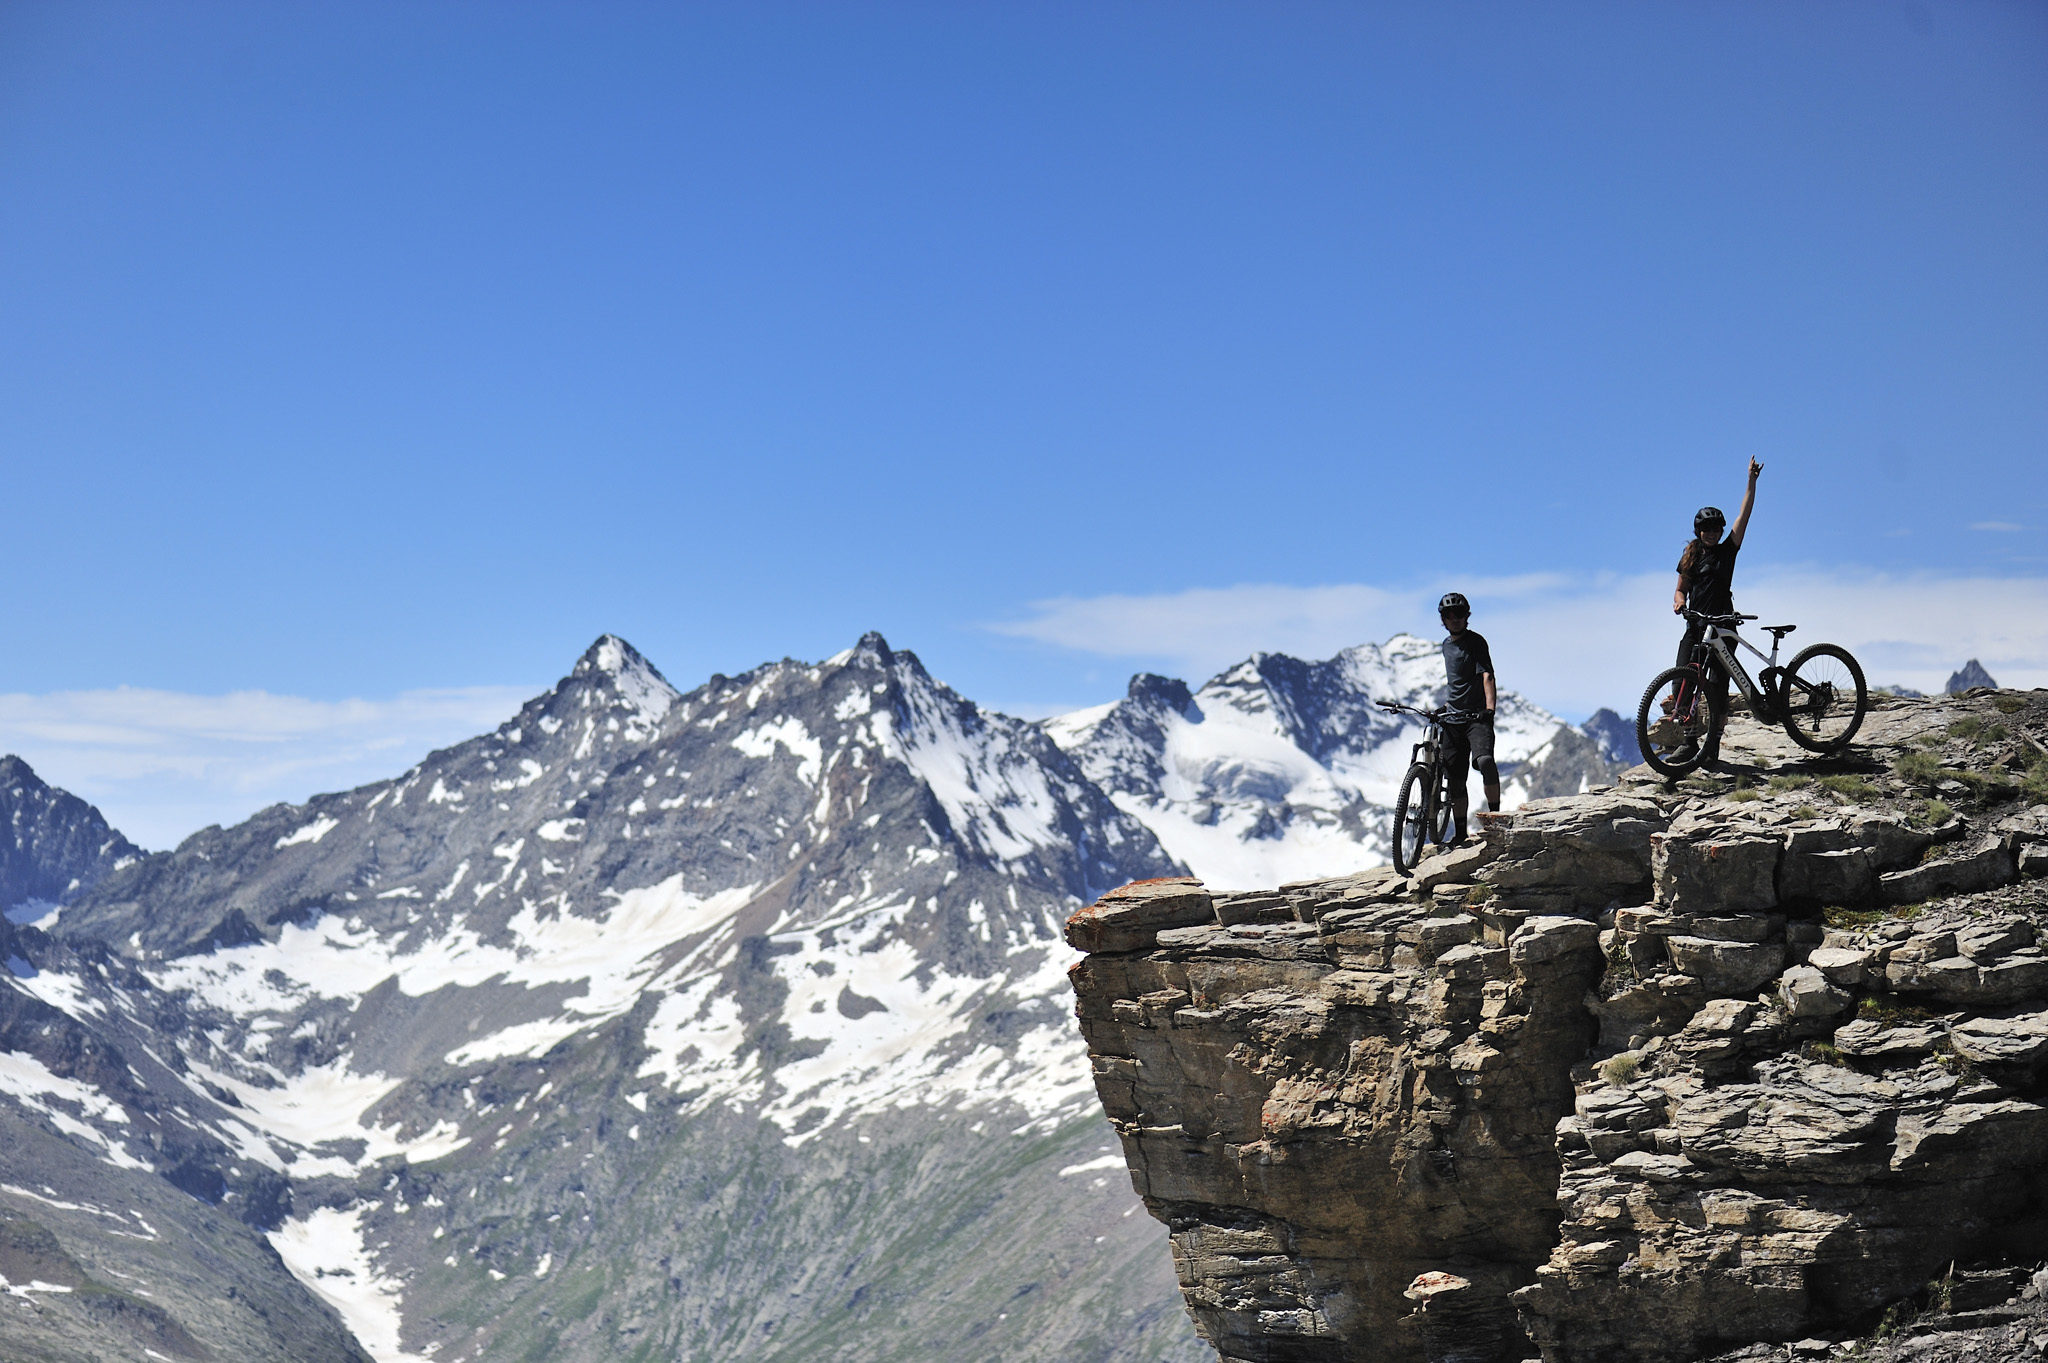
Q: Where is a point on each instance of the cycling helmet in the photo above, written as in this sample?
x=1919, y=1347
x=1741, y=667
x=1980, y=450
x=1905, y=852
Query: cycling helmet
x=1708, y=516
x=1454, y=603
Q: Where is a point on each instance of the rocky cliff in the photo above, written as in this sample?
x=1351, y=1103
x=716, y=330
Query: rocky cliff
x=1653, y=1072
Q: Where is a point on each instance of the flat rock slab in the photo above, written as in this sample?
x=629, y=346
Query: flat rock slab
x=1131, y=918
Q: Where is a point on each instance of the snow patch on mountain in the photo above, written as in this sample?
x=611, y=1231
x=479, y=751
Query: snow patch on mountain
x=789, y=734
x=893, y=1031
x=309, y=833
x=31, y=1083
x=327, y=1250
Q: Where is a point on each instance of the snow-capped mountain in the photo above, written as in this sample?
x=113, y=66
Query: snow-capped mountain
x=730, y=1024
x=1280, y=770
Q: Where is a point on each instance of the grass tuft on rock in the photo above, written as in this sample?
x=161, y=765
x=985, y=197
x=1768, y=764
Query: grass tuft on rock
x=1824, y=1053
x=1933, y=813
x=1854, y=789
x=1888, y=1011
x=1619, y=1070
x=1918, y=768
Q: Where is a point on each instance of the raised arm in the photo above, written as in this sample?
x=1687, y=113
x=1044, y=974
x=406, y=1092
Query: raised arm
x=1735, y=531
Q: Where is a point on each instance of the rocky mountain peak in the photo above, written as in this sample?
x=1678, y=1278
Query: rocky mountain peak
x=628, y=675
x=53, y=845
x=1970, y=675
x=1155, y=692
x=872, y=648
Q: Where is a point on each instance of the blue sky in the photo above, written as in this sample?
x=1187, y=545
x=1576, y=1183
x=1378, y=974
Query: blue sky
x=375, y=358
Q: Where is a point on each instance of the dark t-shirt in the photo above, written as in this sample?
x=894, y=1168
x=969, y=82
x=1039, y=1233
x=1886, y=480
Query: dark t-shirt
x=1466, y=660
x=1710, y=586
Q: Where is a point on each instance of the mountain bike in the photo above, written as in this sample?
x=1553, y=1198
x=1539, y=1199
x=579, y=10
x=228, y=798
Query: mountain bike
x=1819, y=699
x=1422, y=814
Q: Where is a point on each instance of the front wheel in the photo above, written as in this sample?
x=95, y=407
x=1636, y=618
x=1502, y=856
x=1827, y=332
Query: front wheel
x=1674, y=721
x=1825, y=699
x=1414, y=813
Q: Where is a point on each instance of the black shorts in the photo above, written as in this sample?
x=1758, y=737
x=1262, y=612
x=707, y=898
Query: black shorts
x=1464, y=743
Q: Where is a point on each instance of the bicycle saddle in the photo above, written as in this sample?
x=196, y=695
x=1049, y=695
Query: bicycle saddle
x=1779, y=631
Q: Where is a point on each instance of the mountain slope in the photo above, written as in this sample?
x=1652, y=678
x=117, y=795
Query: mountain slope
x=725, y=1024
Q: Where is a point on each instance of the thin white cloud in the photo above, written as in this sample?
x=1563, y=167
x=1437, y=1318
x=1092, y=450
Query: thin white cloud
x=1577, y=643
x=163, y=764
x=2005, y=527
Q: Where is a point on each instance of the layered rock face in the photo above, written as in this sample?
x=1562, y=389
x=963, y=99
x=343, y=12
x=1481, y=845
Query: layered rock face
x=1654, y=1072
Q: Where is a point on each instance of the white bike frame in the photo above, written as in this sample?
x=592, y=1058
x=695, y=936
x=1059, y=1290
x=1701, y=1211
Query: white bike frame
x=1719, y=638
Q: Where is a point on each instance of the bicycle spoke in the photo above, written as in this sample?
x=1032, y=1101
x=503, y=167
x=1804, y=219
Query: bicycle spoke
x=1824, y=698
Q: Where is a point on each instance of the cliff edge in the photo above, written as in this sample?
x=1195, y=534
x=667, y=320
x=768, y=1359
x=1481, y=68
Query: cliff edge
x=1651, y=1073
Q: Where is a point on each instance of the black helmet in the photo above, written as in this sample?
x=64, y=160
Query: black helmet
x=1707, y=516
x=1454, y=603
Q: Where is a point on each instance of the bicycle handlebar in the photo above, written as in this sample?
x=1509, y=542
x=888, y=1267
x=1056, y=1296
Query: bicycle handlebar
x=1705, y=619
x=1434, y=716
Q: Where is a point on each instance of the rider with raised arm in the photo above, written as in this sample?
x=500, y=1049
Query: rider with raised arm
x=1706, y=583
x=1468, y=675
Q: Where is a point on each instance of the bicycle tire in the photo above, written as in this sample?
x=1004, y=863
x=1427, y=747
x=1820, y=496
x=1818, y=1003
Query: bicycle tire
x=1816, y=719
x=1412, y=818
x=1676, y=753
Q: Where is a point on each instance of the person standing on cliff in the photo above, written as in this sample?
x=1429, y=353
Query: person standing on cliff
x=1706, y=583
x=1468, y=676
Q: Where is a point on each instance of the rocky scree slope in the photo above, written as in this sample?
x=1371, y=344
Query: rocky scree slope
x=1281, y=769
x=648, y=1025
x=1652, y=1072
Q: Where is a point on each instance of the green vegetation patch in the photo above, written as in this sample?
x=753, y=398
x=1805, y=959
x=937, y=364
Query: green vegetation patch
x=1851, y=788
x=1889, y=1011
x=1933, y=814
x=1619, y=1070
x=2010, y=705
x=1781, y=784
x=1988, y=785
x=1969, y=726
x=1839, y=916
x=1824, y=1053
x=1920, y=768
x=1806, y=812
x=2035, y=786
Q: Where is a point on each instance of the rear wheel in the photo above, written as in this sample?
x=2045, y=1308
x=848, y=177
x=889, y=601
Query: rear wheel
x=1414, y=815
x=1825, y=699
x=1674, y=721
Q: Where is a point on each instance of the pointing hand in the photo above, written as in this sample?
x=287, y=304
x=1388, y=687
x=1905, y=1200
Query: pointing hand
x=1754, y=469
